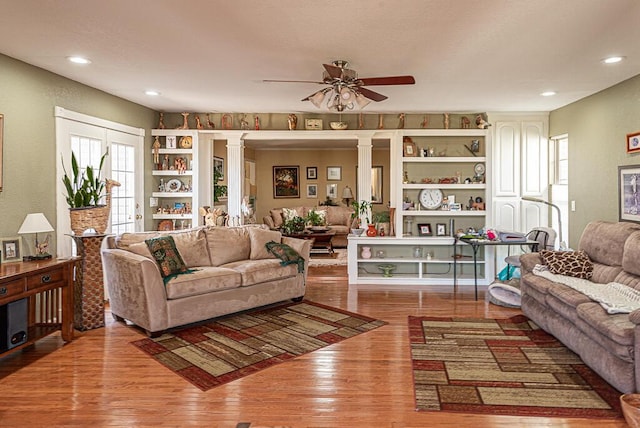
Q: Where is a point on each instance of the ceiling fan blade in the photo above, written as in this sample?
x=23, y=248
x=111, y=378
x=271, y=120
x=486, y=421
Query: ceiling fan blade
x=333, y=71
x=371, y=95
x=292, y=81
x=389, y=80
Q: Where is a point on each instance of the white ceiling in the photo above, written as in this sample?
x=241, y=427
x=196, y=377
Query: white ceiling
x=211, y=56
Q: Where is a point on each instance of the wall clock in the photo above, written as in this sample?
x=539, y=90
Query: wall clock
x=431, y=199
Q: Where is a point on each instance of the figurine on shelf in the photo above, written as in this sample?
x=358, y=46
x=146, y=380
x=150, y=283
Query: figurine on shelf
x=227, y=121
x=360, y=121
x=180, y=165
x=161, y=121
x=185, y=122
x=292, y=120
x=161, y=186
x=446, y=120
x=244, y=125
x=198, y=123
x=156, y=152
x=256, y=123
x=401, y=121
x=165, y=163
x=425, y=122
x=210, y=124
x=481, y=123
x=465, y=122
x=380, y=124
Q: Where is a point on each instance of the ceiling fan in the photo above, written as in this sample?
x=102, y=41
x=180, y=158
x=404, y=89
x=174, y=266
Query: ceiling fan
x=346, y=89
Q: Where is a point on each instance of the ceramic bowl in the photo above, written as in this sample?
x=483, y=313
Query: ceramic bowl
x=631, y=409
x=357, y=232
x=338, y=126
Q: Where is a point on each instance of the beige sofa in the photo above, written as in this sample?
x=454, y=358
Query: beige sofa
x=232, y=271
x=607, y=342
x=338, y=219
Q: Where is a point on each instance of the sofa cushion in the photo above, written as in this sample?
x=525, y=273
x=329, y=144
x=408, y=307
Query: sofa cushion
x=604, y=241
x=290, y=213
x=259, y=239
x=603, y=274
x=631, y=254
x=338, y=216
x=228, y=244
x=613, y=332
x=141, y=249
x=570, y=263
x=628, y=279
x=258, y=271
x=192, y=246
x=164, y=251
x=203, y=281
x=276, y=215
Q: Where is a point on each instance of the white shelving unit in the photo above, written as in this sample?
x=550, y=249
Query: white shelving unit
x=453, y=162
x=175, y=188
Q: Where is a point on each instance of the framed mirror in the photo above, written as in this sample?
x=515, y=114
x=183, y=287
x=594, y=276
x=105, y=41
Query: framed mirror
x=376, y=185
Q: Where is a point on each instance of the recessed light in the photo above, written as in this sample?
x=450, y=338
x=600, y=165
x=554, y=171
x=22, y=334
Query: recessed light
x=152, y=93
x=548, y=93
x=613, y=59
x=78, y=60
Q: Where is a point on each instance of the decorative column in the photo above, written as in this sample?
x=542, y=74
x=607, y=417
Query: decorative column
x=365, y=145
x=88, y=290
x=235, y=174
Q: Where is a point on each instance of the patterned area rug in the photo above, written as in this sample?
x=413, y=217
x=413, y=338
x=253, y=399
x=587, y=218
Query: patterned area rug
x=505, y=367
x=232, y=347
x=338, y=258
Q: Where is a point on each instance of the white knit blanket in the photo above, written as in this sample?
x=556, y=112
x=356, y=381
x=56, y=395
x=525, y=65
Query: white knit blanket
x=614, y=297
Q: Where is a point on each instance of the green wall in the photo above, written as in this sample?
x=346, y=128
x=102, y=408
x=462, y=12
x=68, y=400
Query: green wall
x=597, y=127
x=28, y=96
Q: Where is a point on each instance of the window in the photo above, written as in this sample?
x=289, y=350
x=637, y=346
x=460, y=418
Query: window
x=560, y=159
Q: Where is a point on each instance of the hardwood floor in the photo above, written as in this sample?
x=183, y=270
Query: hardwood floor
x=366, y=381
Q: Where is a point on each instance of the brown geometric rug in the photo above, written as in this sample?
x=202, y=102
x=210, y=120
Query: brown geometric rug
x=504, y=366
x=235, y=346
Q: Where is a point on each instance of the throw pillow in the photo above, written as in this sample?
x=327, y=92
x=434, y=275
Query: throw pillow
x=289, y=214
x=276, y=215
x=286, y=254
x=570, y=263
x=166, y=254
x=259, y=238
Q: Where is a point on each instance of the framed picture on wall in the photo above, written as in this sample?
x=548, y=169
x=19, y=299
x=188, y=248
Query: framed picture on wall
x=218, y=166
x=312, y=191
x=332, y=191
x=629, y=193
x=312, y=173
x=633, y=142
x=286, y=181
x=334, y=173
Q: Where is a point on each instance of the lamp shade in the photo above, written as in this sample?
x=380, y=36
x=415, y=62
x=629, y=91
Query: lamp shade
x=35, y=223
x=347, y=193
x=317, y=98
x=361, y=100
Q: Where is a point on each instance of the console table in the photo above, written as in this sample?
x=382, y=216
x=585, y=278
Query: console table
x=48, y=286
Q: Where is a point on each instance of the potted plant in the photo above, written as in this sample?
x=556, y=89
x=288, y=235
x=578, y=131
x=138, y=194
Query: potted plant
x=360, y=209
x=84, y=191
x=382, y=220
x=293, y=225
x=315, y=219
x=219, y=190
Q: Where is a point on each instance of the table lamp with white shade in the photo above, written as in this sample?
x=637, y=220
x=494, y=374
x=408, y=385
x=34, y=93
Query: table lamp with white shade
x=37, y=223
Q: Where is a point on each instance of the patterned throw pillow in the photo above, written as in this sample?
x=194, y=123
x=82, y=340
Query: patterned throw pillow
x=286, y=254
x=166, y=254
x=570, y=263
x=289, y=214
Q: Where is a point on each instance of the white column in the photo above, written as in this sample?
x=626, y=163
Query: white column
x=235, y=174
x=365, y=146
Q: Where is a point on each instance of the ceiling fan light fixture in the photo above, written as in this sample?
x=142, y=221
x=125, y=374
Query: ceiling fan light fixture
x=361, y=100
x=317, y=98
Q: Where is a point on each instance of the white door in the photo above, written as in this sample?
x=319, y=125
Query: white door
x=89, y=138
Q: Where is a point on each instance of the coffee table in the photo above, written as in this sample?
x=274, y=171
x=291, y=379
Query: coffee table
x=321, y=240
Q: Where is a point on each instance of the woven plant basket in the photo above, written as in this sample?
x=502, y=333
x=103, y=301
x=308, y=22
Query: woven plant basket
x=89, y=218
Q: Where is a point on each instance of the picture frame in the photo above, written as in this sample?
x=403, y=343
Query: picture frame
x=334, y=173
x=171, y=142
x=409, y=149
x=313, y=124
x=286, y=182
x=11, y=249
x=441, y=229
x=218, y=165
x=312, y=191
x=424, y=229
x=629, y=193
x=633, y=142
x=312, y=173
x=1, y=135
x=332, y=191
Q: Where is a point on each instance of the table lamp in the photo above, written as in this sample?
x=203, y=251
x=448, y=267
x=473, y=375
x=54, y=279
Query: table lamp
x=347, y=194
x=37, y=223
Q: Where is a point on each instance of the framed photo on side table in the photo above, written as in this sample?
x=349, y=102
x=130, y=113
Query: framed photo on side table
x=633, y=142
x=441, y=229
x=629, y=193
x=11, y=249
x=424, y=229
x=409, y=149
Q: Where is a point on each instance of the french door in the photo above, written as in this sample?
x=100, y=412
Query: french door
x=89, y=138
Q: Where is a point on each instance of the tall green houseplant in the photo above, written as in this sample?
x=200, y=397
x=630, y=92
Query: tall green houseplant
x=84, y=189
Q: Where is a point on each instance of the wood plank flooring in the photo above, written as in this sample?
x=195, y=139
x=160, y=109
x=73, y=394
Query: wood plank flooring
x=101, y=380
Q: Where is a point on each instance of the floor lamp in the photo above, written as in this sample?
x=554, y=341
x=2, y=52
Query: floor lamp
x=563, y=245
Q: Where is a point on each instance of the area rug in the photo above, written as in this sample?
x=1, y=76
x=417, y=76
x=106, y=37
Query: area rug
x=232, y=347
x=502, y=367
x=339, y=258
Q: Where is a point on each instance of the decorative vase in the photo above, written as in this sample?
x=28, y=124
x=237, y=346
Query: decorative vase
x=366, y=253
x=371, y=230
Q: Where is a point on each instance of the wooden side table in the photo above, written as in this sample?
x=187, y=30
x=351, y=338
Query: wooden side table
x=89, y=285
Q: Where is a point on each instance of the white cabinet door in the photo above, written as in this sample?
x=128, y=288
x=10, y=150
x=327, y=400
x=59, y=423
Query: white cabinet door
x=506, y=159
